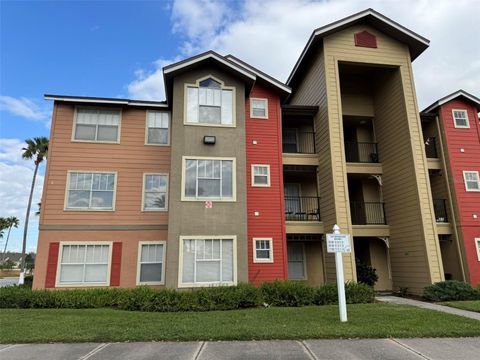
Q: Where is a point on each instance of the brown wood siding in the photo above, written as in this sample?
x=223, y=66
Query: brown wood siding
x=130, y=159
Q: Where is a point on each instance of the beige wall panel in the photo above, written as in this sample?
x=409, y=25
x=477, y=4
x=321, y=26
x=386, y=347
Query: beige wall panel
x=314, y=259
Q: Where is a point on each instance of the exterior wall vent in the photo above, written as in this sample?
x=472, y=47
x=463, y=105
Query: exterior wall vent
x=365, y=39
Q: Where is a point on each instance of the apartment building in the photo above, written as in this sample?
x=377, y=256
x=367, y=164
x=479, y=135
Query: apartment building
x=236, y=177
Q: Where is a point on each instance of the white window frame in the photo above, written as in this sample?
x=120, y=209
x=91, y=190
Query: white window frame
x=265, y=101
x=83, y=243
x=139, y=263
x=455, y=119
x=181, y=284
x=96, y=141
x=65, y=206
x=465, y=172
x=143, y=192
x=184, y=178
x=261, y=260
x=304, y=265
x=477, y=246
x=253, y=175
x=223, y=87
x=146, y=128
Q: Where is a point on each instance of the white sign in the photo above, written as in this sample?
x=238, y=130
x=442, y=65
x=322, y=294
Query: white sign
x=338, y=243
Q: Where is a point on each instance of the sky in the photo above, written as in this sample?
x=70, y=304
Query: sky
x=118, y=49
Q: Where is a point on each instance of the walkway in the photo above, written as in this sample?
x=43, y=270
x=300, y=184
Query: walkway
x=426, y=305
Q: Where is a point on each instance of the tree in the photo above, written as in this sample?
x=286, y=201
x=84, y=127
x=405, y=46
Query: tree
x=30, y=262
x=36, y=150
x=9, y=222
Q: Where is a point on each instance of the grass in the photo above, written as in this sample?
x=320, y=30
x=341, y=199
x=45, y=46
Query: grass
x=108, y=325
x=471, y=305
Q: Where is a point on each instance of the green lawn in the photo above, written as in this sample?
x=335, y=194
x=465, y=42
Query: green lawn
x=472, y=305
x=365, y=321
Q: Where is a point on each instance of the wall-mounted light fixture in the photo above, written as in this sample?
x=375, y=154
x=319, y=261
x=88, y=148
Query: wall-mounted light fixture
x=209, y=140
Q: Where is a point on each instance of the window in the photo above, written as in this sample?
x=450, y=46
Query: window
x=97, y=125
x=157, y=128
x=209, y=178
x=207, y=261
x=155, y=191
x=262, y=250
x=209, y=103
x=477, y=245
x=259, y=108
x=151, y=262
x=296, y=261
x=261, y=175
x=90, y=191
x=460, y=118
x=84, y=264
x=472, y=180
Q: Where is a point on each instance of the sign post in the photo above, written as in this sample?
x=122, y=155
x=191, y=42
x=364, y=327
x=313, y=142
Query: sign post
x=339, y=244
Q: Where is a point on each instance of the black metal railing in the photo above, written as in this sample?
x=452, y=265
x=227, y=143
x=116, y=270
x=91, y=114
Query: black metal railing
x=367, y=213
x=363, y=152
x=440, y=208
x=431, y=147
x=302, y=208
x=298, y=142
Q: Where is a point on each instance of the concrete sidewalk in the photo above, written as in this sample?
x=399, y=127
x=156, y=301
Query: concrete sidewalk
x=425, y=305
x=388, y=349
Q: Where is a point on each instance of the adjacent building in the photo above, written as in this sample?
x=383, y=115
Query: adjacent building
x=236, y=177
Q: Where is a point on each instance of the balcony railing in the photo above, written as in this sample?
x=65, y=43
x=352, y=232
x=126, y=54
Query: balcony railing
x=298, y=142
x=302, y=208
x=431, y=147
x=440, y=208
x=363, y=152
x=367, y=213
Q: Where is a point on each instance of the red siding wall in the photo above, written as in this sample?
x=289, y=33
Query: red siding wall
x=50, y=277
x=468, y=202
x=268, y=201
x=116, y=264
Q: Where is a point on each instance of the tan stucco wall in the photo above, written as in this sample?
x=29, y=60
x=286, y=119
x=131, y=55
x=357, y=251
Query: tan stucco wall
x=191, y=217
x=314, y=259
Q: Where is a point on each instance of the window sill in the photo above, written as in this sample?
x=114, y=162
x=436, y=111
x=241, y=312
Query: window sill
x=151, y=283
x=206, y=199
x=210, y=125
x=89, y=210
x=154, y=210
x=96, y=142
x=161, y=145
x=256, y=261
x=77, y=285
x=209, y=284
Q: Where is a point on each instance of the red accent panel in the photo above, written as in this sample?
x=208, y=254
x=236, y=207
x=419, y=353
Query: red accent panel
x=365, y=39
x=116, y=264
x=52, y=262
x=467, y=201
x=268, y=201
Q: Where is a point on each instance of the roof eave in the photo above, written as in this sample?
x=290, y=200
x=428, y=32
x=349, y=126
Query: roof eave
x=108, y=101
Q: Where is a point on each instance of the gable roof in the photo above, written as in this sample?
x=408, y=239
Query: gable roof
x=457, y=94
x=416, y=43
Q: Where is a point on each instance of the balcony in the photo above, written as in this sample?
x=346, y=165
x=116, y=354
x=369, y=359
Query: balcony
x=431, y=148
x=361, y=152
x=440, y=208
x=296, y=141
x=368, y=213
x=302, y=208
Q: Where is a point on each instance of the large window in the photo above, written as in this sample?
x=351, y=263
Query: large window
x=84, y=264
x=151, y=262
x=460, y=118
x=296, y=261
x=155, y=192
x=259, y=108
x=90, y=191
x=209, y=103
x=157, y=128
x=472, y=180
x=261, y=175
x=100, y=125
x=209, y=178
x=262, y=250
x=207, y=261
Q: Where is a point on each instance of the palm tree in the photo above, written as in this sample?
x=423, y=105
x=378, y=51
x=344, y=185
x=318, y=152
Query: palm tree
x=10, y=222
x=37, y=149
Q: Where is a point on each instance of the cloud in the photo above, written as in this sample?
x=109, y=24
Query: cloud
x=24, y=107
x=15, y=182
x=270, y=34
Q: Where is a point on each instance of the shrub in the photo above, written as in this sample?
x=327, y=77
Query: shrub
x=366, y=274
x=358, y=293
x=287, y=293
x=326, y=294
x=450, y=290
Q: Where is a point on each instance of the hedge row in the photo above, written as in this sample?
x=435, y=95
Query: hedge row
x=451, y=290
x=278, y=293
